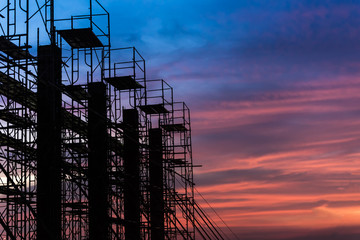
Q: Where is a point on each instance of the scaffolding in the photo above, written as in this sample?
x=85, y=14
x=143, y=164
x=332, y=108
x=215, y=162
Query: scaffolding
x=86, y=51
x=17, y=124
x=89, y=147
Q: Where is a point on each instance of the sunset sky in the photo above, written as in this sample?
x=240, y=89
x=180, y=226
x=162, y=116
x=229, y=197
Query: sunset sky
x=274, y=92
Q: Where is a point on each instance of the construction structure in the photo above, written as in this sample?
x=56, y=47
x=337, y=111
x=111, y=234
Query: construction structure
x=89, y=147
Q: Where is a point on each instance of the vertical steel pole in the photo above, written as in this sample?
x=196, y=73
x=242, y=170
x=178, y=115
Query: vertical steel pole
x=156, y=184
x=52, y=23
x=49, y=143
x=132, y=175
x=98, y=173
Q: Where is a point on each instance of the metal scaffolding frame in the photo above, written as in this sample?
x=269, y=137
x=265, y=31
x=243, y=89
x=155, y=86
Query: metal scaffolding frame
x=144, y=152
x=17, y=124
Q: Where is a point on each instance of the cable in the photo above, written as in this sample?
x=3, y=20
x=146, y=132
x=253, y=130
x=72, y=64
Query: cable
x=216, y=213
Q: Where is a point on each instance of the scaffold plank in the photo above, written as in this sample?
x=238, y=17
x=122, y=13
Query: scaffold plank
x=174, y=127
x=77, y=147
x=76, y=205
x=12, y=50
x=80, y=38
x=17, y=91
x=116, y=182
x=7, y=190
x=116, y=146
x=73, y=167
x=123, y=83
x=18, y=200
x=74, y=123
x=154, y=109
x=76, y=212
x=14, y=143
x=117, y=221
x=116, y=178
x=76, y=92
x=177, y=161
x=16, y=120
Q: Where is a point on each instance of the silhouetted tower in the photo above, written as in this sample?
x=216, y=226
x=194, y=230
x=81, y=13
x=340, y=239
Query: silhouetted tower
x=49, y=143
x=156, y=184
x=49, y=137
x=97, y=165
x=132, y=175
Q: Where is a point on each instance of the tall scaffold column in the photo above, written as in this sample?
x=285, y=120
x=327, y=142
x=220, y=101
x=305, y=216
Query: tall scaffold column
x=17, y=123
x=126, y=83
x=85, y=44
x=49, y=137
x=153, y=106
x=49, y=143
x=156, y=181
x=157, y=108
x=97, y=165
x=131, y=175
x=179, y=191
x=174, y=121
